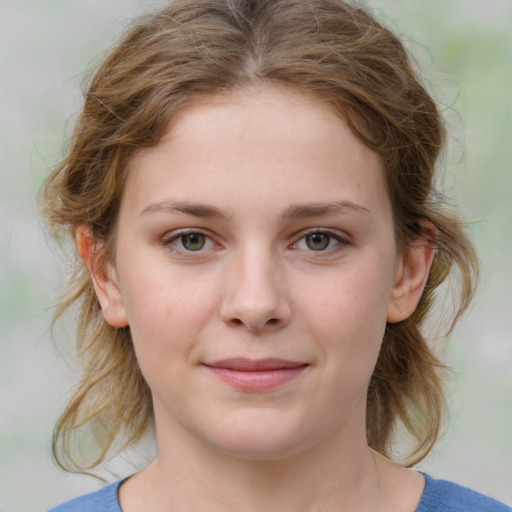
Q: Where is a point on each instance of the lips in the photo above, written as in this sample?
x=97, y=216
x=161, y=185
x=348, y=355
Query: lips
x=256, y=375
x=250, y=365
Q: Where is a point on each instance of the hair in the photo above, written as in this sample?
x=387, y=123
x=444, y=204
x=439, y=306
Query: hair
x=193, y=49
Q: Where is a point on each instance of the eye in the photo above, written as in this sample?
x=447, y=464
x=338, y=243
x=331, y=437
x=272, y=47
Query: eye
x=190, y=241
x=193, y=241
x=319, y=241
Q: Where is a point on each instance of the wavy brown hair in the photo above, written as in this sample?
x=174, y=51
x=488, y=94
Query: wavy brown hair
x=196, y=48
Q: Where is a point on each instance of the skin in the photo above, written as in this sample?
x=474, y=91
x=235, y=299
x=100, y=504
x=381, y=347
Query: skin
x=299, y=262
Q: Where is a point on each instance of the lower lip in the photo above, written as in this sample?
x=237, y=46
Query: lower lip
x=260, y=380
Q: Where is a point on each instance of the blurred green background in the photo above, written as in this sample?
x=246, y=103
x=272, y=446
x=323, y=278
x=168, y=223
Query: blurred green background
x=464, y=48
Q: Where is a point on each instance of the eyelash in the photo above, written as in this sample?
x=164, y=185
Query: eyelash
x=170, y=240
x=173, y=238
x=332, y=236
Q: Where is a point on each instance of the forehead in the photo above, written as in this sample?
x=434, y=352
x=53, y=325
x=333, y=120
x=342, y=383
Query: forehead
x=266, y=140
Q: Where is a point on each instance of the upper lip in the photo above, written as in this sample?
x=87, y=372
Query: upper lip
x=243, y=364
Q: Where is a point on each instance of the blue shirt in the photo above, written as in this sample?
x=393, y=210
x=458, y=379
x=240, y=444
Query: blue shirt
x=438, y=496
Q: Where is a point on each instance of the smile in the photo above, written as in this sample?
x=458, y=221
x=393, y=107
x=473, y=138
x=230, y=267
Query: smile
x=256, y=375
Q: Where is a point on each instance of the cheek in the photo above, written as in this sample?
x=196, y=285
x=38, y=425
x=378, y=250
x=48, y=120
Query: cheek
x=348, y=314
x=166, y=315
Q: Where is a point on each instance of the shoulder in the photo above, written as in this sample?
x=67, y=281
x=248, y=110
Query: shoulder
x=444, y=496
x=104, y=500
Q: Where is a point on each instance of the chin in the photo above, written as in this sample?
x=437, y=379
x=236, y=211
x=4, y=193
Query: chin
x=261, y=440
x=261, y=450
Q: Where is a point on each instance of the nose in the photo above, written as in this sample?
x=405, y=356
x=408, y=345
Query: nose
x=256, y=294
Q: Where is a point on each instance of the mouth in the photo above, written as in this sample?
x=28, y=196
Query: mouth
x=256, y=375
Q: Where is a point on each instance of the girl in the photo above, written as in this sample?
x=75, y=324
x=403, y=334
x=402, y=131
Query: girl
x=259, y=241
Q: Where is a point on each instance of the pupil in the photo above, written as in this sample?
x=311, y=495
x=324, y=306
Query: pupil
x=317, y=241
x=193, y=241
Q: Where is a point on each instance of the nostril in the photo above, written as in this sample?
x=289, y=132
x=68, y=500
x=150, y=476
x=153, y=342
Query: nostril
x=270, y=321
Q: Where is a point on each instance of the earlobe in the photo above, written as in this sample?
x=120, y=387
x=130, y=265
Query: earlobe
x=411, y=276
x=104, y=277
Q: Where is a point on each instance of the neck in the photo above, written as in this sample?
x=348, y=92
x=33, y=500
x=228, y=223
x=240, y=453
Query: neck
x=340, y=473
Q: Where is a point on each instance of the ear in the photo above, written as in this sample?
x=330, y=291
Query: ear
x=104, y=278
x=411, y=275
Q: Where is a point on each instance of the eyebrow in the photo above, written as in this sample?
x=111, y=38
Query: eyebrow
x=302, y=211
x=293, y=212
x=188, y=208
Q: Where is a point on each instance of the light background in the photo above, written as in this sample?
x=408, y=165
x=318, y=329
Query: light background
x=465, y=48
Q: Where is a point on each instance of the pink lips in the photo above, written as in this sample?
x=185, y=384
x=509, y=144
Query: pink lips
x=256, y=375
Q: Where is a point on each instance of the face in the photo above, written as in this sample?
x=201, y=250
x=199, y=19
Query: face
x=256, y=266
